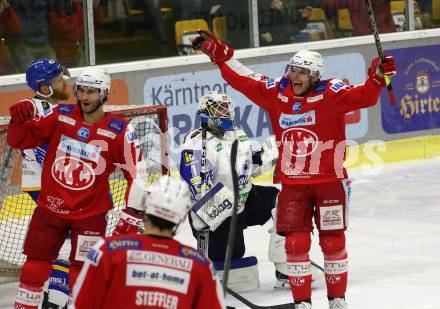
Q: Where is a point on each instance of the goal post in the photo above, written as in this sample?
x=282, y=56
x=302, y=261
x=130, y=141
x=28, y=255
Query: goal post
x=16, y=207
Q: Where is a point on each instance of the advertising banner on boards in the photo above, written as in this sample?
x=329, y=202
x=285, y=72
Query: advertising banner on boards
x=417, y=90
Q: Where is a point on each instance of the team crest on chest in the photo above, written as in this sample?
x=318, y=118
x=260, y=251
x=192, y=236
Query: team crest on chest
x=83, y=133
x=296, y=107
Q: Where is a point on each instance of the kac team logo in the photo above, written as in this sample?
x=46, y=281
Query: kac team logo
x=300, y=142
x=72, y=173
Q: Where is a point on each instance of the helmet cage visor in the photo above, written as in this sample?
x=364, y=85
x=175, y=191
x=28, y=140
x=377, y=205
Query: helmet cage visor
x=220, y=109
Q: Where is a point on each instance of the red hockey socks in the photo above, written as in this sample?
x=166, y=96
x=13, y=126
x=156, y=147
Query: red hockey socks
x=28, y=297
x=335, y=263
x=299, y=268
x=30, y=291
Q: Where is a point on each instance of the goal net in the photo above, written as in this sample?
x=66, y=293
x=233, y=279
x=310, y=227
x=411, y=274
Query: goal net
x=16, y=207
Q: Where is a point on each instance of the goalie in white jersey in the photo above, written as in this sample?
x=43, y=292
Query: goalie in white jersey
x=48, y=79
x=213, y=201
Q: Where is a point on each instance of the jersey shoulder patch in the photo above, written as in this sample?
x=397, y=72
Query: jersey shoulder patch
x=321, y=86
x=123, y=244
x=193, y=254
x=117, y=125
x=337, y=85
x=44, y=108
x=65, y=109
x=283, y=83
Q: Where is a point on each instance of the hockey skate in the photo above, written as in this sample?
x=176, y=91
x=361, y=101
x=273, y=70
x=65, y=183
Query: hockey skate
x=303, y=305
x=337, y=303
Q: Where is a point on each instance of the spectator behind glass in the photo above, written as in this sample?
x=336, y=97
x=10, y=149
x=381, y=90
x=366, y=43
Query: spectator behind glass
x=66, y=30
x=10, y=25
x=279, y=23
x=153, y=17
x=32, y=41
x=237, y=14
x=186, y=9
x=361, y=22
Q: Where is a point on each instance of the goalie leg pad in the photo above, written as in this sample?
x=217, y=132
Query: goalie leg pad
x=243, y=275
x=277, y=247
x=218, y=240
x=298, y=265
x=58, y=290
x=335, y=262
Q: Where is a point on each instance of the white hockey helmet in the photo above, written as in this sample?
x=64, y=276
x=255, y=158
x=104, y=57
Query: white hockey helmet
x=94, y=77
x=168, y=198
x=310, y=60
x=218, y=108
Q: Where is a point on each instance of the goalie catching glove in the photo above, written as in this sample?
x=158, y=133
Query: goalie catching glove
x=22, y=111
x=378, y=69
x=129, y=222
x=208, y=43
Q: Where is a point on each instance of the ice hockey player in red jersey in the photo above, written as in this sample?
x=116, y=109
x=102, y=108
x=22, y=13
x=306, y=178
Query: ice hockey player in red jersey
x=48, y=80
x=151, y=270
x=85, y=145
x=307, y=117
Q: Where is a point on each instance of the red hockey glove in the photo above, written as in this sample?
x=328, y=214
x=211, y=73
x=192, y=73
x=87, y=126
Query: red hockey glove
x=219, y=52
x=22, y=111
x=129, y=222
x=378, y=69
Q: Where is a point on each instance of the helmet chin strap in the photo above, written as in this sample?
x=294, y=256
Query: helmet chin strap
x=47, y=96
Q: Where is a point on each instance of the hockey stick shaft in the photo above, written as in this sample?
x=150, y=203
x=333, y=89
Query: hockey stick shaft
x=203, y=235
x=233, y=222
x=317, y=266
x=254, y=306
x=379, y=48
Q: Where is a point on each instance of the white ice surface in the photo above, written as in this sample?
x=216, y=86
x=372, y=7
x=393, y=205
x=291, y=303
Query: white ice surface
x=393, y=244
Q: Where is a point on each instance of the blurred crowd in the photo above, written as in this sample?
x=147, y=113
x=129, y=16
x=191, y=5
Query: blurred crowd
x=127, y=30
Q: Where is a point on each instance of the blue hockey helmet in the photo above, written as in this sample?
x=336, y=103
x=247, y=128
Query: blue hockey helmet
x=43, y=71
x=216, y=109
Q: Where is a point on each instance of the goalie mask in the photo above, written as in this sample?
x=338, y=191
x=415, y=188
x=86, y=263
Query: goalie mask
x=308, y=60
x=94, y=77
x=216, y=111
x=168, y=198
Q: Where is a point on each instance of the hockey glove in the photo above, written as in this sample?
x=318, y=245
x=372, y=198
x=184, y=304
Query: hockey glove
x=22, y=111
x=219, y=52
x=129, y=222
x=197, y=223
x=379, y=69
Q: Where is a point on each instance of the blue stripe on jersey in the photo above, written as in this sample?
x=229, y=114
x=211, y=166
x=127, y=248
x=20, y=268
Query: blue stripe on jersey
x=40, y=153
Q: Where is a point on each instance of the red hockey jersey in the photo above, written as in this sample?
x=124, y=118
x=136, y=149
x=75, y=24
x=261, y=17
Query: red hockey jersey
x=141, y=271
x=79, y=159
x=310, y=129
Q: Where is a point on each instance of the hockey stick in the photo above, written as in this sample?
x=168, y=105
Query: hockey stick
x=233, y=223
x=317, y=266
x=379, y=49
x=203, y=235
x=254, y=306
